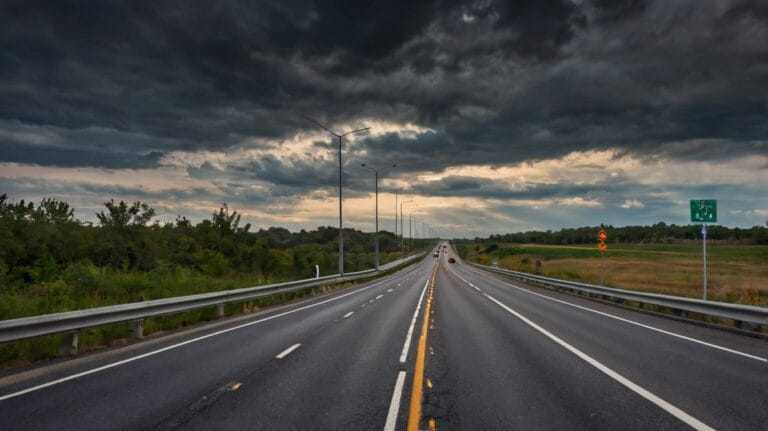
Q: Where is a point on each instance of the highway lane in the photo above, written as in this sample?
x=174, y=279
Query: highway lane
x=492, y=369
x=339, y=364
x=500, y=356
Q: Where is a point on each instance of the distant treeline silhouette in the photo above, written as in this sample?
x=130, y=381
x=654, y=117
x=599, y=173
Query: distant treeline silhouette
x=43, y=243
x=659, y=233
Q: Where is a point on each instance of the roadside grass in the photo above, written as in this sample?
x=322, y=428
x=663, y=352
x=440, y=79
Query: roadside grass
x=737, y=274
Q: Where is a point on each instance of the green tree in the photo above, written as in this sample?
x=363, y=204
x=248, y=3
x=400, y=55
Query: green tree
x=121, y=215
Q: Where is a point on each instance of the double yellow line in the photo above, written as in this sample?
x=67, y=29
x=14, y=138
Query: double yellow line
x=414, y=415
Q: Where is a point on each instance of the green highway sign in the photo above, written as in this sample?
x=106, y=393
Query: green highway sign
x=704, y=211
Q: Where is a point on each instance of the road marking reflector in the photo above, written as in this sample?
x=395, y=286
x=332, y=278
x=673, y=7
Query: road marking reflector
x=664, y=405
x=432, y=424
x=234, y=386
x=429, y=383
x=288, y=351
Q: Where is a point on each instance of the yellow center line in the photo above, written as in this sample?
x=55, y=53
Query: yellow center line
x=414, y=416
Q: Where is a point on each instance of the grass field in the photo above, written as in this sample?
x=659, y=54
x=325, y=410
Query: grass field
x=736, y=274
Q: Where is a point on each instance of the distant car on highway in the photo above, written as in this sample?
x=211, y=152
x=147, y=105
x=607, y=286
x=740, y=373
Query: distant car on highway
x=435, y=255
x=451, y=260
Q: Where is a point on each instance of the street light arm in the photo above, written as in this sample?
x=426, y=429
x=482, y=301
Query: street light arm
x=380, y=172
x=353, y=131
x=317, y=123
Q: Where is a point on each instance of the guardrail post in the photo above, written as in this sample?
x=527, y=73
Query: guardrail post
x=748, y=326
x=220, y=310
x=70, y=344
x=680, y=313
x=138, y=329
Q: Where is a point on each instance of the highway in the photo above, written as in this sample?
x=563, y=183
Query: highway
x=491, y=354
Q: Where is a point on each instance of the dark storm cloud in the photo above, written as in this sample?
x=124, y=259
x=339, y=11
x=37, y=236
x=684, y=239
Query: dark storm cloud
x=117, y=84
x=486, y=188
x=293, y=177
x=200, y=75
x=66, y=157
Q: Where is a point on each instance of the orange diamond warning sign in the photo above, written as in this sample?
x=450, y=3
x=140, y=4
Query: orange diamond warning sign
x=602, y=236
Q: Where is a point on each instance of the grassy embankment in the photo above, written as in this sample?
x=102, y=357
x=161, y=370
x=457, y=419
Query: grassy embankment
x=736, y=273
x=87, y=286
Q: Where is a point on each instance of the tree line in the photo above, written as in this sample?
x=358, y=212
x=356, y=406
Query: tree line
x=659, y=233
x=45, y=242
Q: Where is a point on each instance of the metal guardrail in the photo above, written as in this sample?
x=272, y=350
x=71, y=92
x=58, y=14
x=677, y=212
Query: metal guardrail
x=745, y=316
x=74, y=321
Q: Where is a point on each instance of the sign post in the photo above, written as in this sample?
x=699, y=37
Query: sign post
x=704, y=211
x=602, y=236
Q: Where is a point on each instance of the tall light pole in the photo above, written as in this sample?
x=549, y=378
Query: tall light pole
x=341, y=227
x=376, y=172
x=396, y=216
x=402, y=236
x=396, y=191
x=410, y=231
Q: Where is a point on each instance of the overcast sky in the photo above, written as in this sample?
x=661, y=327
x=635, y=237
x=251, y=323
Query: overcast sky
x=501, y=116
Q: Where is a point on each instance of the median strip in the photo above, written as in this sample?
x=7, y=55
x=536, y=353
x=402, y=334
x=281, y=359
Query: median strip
x=414, y=416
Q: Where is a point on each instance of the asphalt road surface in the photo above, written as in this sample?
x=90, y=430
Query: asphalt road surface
x=491, y=354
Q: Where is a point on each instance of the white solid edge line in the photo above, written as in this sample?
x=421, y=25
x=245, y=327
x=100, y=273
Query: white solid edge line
x=349, y=314
x=288, y=351
x=467, y=282
x=666, y=406
x=643, y=325
x=407, y=344
x=183, y=343
x=394, y=405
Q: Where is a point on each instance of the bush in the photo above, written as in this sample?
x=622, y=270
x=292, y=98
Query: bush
x=213, y=263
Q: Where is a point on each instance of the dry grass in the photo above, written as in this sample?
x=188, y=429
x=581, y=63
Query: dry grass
x=735, y=274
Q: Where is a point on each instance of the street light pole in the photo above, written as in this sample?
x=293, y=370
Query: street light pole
x=376, y=172
x=396, y=191
x=402, y=236
x=341, y=226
